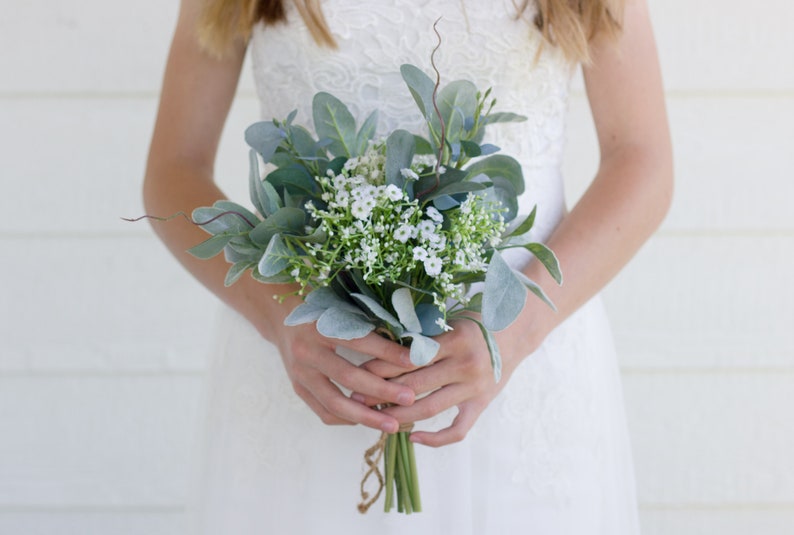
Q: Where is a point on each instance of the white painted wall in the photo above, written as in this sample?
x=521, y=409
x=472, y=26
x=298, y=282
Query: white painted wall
x=102, y=342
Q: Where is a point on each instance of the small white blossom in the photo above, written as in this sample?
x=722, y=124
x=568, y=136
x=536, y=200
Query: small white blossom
x=409, y=174
x=420, y=253
x=432, y=265
x=403, y=233
x=434, y=214
x=394, y=193
x=443, y=325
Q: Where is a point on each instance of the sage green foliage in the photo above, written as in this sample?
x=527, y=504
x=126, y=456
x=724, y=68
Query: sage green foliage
x=446, y=186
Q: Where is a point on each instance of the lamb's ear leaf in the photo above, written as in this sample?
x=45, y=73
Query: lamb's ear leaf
x=381, y=313
x=503, y=295
x=404, y=306
x=423, y=349
x=547, y=258
x=344, y=325
x=303, y=313
x=493, y=349
x=236, y=271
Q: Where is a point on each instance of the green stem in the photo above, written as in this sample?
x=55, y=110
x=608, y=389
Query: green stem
x=405, y=472
x=391, y=459
x=415, y=497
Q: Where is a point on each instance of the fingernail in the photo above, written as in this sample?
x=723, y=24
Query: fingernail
x=389, y=427
x=405, y=398
x=357, y=397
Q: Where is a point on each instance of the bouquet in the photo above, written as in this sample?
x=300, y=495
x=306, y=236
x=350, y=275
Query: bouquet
x=385, y=235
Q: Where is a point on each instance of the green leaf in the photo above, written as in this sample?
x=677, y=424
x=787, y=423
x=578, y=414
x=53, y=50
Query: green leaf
x=275, y=259
x=523, y=227
x=211, y=247
x=535, y=289
x=457, y=102
x=210, y=220
x=285, y=221
x=547, y=258
x=304, y=144
x=501, y=117
x=404, y=306
x=259, y=196
x=230, y=206
x=502, y=194
x=423, y=349
x=303, y=313
x=455, y=188
x=503, y=295
x=500, y=165
x=366, y=133
x=344, y=325
x=295, y=178
x=236, y=271
x=471, y=149
x=264, y=137
x=381, y=313
x=325, y=297
x=493, y=349
x=399, y=155
x=428, y=314
x=334, y=121
x=421, y=87
x=423, y=146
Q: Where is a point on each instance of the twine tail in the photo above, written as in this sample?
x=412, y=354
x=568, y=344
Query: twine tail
x=372, y=458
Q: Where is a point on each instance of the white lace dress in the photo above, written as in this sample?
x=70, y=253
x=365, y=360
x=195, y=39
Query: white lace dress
x=550, y=455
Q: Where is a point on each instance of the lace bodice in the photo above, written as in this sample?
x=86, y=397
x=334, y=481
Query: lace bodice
x=482, y=41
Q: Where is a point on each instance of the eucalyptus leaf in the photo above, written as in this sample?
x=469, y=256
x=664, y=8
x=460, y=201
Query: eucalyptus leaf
x=344, y=325
x=234, y=207
x=278, y=278
x=500, y=165
x=264, y=137
x=303, y=142
x=487, y=149
x=423, y=349
x=236, y=271
x=256, y=191
x=303, y=313
x=403, y=304
x=445, y=202
x=285, y=221
x=217, y=221
x=457, y=103
x=471, y=149
x=429, y=314
x=503, y=294
x=295, y=178
x=421, y=87
x=332, y=120
x=399, y=155
x=366, y=133
x=423, y=146
x=276, y=257
x=502, y=117
x=522, y=227
x=210, y=247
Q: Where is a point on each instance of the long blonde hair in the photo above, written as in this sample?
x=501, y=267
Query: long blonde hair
x=568, y=24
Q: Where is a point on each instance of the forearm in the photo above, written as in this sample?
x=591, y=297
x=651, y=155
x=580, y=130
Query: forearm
x=172, y=188
x=623, y=206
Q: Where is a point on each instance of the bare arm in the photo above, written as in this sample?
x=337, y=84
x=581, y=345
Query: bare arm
x=196, y=96
x=625, y=203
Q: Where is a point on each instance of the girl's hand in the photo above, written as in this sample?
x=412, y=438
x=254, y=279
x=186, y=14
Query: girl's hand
x=313, y=367
x=460, y=376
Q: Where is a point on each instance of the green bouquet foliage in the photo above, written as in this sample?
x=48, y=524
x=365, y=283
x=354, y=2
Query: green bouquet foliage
x=385, y=235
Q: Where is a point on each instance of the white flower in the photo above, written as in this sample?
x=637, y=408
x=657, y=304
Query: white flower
x=420, y=253
x=443, y=325
x=393, y=193
x=434, y=214
x=403, y=233
x=409, y=174
x=432, y=265
x=362, y=208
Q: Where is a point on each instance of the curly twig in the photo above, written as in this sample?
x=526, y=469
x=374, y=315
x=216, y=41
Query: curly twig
x=189, y=219
x=438, y=113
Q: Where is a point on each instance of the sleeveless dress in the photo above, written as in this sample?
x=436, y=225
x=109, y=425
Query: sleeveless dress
x=550, y=455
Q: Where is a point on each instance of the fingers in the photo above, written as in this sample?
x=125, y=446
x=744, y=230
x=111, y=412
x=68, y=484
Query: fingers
x=383, y=349
x=340, y=406
x=457, y=431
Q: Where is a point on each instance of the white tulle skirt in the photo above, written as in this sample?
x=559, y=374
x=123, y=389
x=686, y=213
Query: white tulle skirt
x=549, y=456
